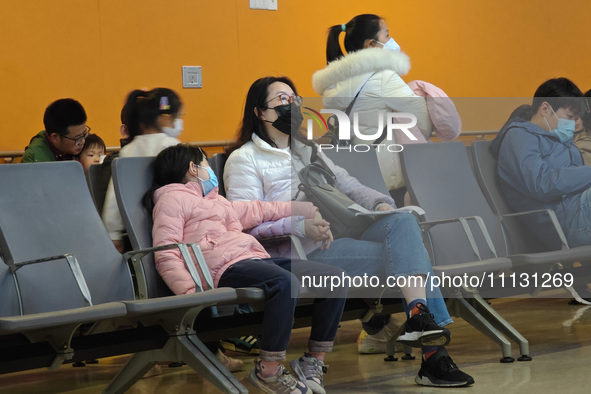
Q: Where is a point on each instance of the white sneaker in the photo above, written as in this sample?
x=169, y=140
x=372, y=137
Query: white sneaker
x=375, y=344
x=282, y=383
x=311, y=371
x=371, y=344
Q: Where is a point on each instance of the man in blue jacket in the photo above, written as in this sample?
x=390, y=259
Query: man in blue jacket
x=539, y=166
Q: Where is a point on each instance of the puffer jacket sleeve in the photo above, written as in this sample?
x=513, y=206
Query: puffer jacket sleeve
x=522, y=165
x=284, y=226
x=241, y=178
x=253, y=213
x=366, y=197
x=169, y=220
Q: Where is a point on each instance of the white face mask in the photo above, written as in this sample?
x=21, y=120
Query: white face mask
x=390, y=45
x=175, y=131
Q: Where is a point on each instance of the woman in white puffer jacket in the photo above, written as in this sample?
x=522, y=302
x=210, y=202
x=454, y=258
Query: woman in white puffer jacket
x=373, y=68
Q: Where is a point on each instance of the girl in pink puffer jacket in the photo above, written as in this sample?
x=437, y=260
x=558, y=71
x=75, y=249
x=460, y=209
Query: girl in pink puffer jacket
x=187, y=208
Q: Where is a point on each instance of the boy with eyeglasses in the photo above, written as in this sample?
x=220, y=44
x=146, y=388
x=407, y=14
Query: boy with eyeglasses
x=64, y=135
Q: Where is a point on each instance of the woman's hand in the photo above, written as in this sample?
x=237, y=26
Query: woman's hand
x=318, y=229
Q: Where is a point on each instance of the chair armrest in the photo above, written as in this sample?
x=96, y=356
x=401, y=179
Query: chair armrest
x=74, y=268
x=202, y=264
x=295, y=242
x=553, y=220
x=135, y=257
x=464, y=222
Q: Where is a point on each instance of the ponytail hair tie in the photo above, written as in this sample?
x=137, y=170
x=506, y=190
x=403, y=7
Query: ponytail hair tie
x=344, y=27
x=164, y=106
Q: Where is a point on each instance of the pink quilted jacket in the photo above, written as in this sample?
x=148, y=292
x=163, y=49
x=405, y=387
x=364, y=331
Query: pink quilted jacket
x=182, y=214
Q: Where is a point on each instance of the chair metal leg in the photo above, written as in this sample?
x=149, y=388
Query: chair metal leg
x=132, y=371
x=213, y=362
x=461, y=308
x=502, y=325
x=186, y=348
x=391, y=343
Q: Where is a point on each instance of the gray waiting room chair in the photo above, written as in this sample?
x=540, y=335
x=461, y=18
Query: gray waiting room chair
x=67, y=272
x=98, y=177
x=217, y=163
x=462, y=234
x=363, y=166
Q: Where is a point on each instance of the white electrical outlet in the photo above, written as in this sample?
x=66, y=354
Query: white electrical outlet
x=192, y=77
x=263, y=5
x=258, y=4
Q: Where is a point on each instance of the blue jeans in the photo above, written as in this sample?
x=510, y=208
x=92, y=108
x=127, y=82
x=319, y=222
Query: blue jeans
x=280, y=278
x=392, y=246
x=579, y=232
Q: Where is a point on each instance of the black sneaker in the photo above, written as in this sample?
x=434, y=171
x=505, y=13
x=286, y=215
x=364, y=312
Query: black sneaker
x=421, y=330
x=247, y=345
x=440, y=371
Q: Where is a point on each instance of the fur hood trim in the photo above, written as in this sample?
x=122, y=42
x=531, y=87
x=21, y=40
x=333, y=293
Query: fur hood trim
x=359, y=63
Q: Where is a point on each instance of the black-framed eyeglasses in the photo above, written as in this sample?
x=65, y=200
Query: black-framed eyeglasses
x=287, y=99
x=79, y=140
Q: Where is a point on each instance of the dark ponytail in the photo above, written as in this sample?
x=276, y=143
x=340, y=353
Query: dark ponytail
x=171, y=166
x=133, y=124
x=143, y=108
x=357, y=30
x=333, y=48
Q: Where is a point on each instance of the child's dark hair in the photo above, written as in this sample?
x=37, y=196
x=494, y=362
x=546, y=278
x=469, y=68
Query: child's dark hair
x=171, y=166
x=94, y=140
x=62, y=114
x=143, y=108
x=357, y=30
x=559, y=93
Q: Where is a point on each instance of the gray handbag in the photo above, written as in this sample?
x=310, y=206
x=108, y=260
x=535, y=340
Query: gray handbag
x=331, y=202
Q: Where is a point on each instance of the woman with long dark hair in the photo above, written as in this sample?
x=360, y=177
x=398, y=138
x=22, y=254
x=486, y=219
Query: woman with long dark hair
x=263, y=165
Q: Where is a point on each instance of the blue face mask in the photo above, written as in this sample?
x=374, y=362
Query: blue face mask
x=564, y=129
x=211, y=183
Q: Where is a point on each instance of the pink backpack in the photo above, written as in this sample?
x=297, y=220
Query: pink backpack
x=447, y=124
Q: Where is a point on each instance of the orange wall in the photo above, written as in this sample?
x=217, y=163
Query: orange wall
x=98, y=50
